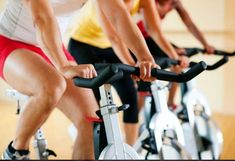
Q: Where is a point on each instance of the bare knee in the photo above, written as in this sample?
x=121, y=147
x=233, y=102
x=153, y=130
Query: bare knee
x=82, y=124
x=51, y=91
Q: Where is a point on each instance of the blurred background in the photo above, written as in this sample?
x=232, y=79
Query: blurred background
x=216, y=18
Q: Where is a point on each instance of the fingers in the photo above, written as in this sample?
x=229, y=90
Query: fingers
x=184, y=62
x=142, y=70
x=86, y=71
x=210, y=49
x=145, y=71
x=91, y=70
x=94, y=73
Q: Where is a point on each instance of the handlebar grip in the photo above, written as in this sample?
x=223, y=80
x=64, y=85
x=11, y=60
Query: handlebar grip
x=194, y=71
x=129, y=69
x=218, y=64
x=180, y=78
x=104, y=76
x=193, y=51
x=167, y=62
x=223, y=53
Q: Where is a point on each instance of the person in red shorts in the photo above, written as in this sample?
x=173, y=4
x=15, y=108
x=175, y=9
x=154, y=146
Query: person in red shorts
x=34, y=62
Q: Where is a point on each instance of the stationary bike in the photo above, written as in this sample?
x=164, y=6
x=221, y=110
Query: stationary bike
x=116, y=148
x=162, y=135
x=40, y=142
x=204, y=138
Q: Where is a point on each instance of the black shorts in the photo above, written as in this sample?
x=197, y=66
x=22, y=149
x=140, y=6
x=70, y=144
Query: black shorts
x=87, y=54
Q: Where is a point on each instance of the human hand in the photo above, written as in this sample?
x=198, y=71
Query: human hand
x=180, y=51
x=209, y=49
x=184, y=61
x=145, y=70
x=83, y=71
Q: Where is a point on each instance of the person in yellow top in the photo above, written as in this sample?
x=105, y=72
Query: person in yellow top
x=95, y=40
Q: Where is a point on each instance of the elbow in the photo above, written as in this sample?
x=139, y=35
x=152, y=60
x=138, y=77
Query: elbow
x=151, y=32
x=114, y=39
x=154, y=32
x=119, y=16
x=41, y=20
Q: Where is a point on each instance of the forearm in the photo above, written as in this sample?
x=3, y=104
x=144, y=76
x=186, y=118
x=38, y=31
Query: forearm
x=50, y=40
x=153, y=23
x=118, y=45
x=123, y=53
x=133, y=39
x=164, y=44
x=48, y=33
x=197, y=34
x=184, y=15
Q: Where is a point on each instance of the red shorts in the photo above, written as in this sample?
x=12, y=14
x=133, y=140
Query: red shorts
x=7, y=46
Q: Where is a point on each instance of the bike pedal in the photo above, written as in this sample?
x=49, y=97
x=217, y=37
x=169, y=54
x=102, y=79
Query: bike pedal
x=149, y=145
x=98, y=113
x=49, y=152
x=123, y=107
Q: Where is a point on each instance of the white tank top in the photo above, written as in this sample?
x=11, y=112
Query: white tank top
x=16, y=21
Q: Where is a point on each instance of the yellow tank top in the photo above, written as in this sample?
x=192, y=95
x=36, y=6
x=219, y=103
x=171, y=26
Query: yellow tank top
x=87, y=28
x=136, y=7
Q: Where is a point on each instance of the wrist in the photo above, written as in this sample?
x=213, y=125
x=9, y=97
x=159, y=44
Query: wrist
x=131, y=63
x=63, y=67
x=61, y=64
x=147, y=58
x=175, y=57
x=205, y=45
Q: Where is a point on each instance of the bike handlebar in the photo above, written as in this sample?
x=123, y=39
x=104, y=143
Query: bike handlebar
x=167, y=62
x=113, y=69
x=107, y=73
x=194, y=51
x=218, y=64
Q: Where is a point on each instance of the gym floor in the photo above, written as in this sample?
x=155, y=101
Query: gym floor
x=60, y=141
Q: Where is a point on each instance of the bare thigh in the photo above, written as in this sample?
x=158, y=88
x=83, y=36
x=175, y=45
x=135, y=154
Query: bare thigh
x=26, y=71
x=78, y=103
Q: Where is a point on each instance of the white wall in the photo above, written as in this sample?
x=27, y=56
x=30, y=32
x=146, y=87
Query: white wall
x=216, y=19
x=208, y=15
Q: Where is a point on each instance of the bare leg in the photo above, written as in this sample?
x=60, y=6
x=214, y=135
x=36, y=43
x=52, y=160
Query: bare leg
x=172, y=93
x=77, y=104
x=131, y=131
x=174, y=88
x=140, y=102
x=28, y=73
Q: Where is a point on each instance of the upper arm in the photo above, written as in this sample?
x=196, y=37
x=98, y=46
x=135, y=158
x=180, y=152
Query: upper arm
x=40, y=10
x=112, y=9
x=184, y=15
x=107, y=26
x=151, y=15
